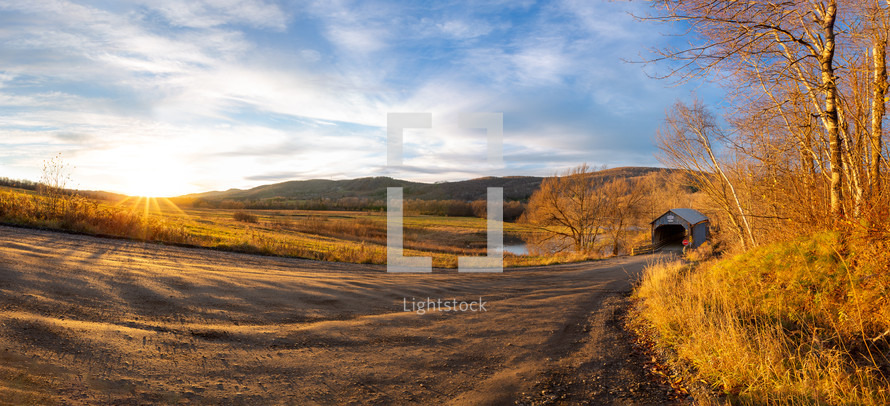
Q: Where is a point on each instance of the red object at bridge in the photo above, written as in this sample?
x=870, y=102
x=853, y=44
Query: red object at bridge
x=685, y=241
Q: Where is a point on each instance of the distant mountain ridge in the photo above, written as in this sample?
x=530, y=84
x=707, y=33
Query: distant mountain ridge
x=515, y=188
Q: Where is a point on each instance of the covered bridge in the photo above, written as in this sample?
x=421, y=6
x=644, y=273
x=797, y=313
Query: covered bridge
x=671, y=228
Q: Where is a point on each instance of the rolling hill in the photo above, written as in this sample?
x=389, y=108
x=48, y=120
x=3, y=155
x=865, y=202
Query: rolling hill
x=515, y=188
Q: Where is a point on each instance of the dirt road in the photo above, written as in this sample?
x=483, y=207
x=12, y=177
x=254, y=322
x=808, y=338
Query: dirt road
x=97, y=321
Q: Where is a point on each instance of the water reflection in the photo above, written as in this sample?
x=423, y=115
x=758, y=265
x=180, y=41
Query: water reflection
x=515, y=245
x=516, y=249
x=542, y=245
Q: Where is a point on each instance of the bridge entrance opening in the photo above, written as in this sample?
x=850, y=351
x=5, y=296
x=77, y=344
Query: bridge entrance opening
x=669, y=237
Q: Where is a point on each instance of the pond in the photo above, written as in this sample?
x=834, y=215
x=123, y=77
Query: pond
x=515, y=245
x=516, y=249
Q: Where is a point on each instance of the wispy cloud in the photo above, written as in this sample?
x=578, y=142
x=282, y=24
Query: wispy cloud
x=207, y=14
x=219, y=94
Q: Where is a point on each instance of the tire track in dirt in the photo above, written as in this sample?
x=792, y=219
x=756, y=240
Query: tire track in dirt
x=147, y=323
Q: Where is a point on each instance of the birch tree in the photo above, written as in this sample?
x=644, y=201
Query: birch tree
x=686, y=142
x=779, y=41
x=808, y=89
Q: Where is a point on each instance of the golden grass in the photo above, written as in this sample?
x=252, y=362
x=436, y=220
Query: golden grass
x=78, y=214
x=791, y=323
x=339, y=236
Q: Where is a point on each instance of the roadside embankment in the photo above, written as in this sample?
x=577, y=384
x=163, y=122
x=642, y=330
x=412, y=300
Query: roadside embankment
x=799, y=322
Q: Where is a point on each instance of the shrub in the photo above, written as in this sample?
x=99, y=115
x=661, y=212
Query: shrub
x=245, y=217
x=703, y=252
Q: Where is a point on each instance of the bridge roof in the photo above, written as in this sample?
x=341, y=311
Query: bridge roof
x=691, y=216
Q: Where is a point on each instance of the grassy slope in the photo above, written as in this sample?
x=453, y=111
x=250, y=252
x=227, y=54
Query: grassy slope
x=788, y=323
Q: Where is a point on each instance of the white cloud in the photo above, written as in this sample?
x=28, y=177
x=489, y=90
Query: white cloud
x=214, y=13
x=357, y=39
x=464, y=29
x=608, y=20
x=542, y=63
x=310, y=55
x=234, y=95
x=355, y=27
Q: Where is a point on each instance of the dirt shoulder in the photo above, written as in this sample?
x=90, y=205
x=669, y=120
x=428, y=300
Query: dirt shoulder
x=87, y=320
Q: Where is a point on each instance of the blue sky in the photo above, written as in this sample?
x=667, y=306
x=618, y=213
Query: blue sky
x=170, y=97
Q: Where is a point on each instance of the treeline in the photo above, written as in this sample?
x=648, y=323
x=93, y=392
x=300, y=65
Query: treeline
x=45, y=189
x=451, y=208
x=458, y=208
x=346, y=203
x=19, y=183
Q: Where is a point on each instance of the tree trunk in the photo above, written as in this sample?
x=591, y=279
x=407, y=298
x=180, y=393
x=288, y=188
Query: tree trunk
x=877, y=114
x=826, y=61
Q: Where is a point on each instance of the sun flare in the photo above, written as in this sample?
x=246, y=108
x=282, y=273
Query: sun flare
x=149, y=184
x=147, y=170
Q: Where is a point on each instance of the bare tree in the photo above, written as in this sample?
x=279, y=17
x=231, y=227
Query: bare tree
x=686, y=142
x=56, y=173
x=879, y=26
x=54, y=182
x=777, y=41
x=568, y=211
x=626, y=204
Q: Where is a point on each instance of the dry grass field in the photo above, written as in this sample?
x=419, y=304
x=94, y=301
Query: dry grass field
x=86, y=320
x=338, y=236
